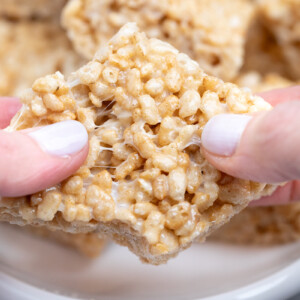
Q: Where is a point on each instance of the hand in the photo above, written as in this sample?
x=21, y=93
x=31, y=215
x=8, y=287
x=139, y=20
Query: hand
x=35, y=159
x=264, y=147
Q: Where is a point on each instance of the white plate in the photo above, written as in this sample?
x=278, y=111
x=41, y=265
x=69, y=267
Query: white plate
x=35, y=269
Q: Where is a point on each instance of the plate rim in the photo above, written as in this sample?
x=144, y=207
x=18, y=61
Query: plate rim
x=283, y=282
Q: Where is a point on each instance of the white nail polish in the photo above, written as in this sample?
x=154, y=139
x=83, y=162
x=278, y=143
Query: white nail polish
x=61, y=139
x=222, y=133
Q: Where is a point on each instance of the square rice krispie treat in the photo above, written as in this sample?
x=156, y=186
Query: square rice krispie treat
x=27, y=9
x=282, y=17
x=263, y=226
x=145, y=182
x=263, y=54
x=30, y=49
x=211, y=32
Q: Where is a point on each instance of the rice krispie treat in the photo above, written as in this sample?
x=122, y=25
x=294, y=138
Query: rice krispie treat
x=30, y=49
x=88, y=244
x=145, y=182
x=211, y=32
x=259, y=83
x=28, y=9
x=262, y=52
x=283, y=18
x=262, y=226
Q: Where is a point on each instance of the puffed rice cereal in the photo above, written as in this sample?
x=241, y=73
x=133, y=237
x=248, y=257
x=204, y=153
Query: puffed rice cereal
x=282, y=17
x=145, y=182
x=31, y=49
x=27, y=9
x=211, y=32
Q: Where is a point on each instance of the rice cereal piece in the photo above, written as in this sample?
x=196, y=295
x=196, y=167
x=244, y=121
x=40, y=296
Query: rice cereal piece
x=88, y=244
x=41, y=9
x=282, y=17
x=30, y=49
x=155, y=196
x=211, y=32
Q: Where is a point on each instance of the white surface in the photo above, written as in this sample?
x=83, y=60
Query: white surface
x=33, y=269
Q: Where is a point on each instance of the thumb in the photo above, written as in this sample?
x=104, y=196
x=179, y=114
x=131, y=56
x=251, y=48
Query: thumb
x=35, y=160
x=262, y=148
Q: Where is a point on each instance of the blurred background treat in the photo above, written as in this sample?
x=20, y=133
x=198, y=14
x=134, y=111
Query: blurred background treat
x=263, y=54
x=262, y=226
x=32, y=48
x=211, y=32
x=29, y=9
x=282, y=18
x=262, y=83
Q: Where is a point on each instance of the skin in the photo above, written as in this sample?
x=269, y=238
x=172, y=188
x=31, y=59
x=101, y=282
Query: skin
x=269, y=148
x=268, y=152
x=25, y=168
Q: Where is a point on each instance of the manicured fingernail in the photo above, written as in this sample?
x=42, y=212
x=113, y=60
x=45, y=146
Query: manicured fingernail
x=222, y=133
x=61, y=139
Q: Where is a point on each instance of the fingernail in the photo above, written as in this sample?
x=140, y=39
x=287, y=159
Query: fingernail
x=222, y=133
x=61, y=139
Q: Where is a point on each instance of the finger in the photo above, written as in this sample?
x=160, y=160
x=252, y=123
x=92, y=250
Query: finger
x=262, y=148
x=278, y=96
x=31, y=162
x=286, y=194
x=8, y=108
